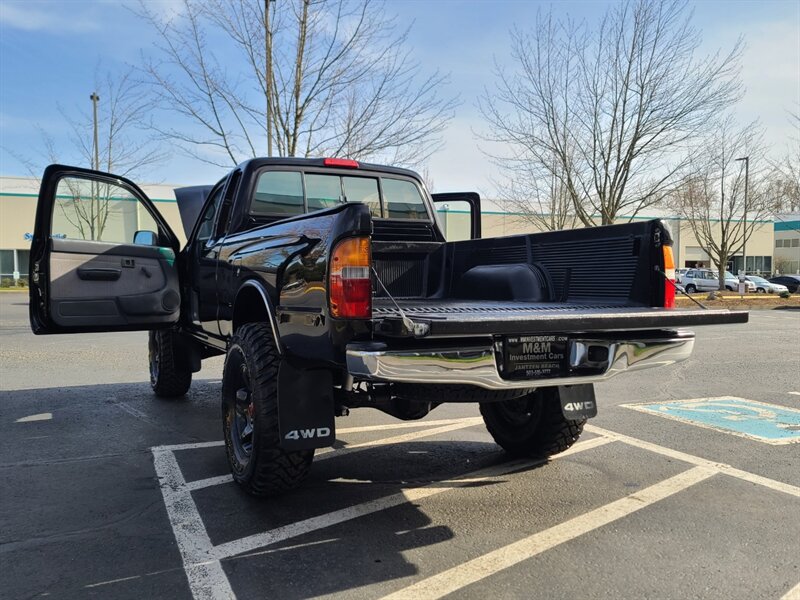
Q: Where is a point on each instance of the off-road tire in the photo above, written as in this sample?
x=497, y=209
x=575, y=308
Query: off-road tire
x=167, y=379
x=531, y=426
x=267, y=470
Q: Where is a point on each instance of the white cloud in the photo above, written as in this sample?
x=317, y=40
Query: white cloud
x=163, y=10
x=29, y=17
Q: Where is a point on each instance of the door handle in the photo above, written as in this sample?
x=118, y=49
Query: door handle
x=98, y=274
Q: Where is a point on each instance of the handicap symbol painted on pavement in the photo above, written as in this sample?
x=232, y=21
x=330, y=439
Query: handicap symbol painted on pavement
x=760, y=421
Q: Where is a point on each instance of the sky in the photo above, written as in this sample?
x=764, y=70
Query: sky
x=50, y=52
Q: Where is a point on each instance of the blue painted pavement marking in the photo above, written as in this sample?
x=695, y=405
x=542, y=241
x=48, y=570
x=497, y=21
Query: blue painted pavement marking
x=764, y=422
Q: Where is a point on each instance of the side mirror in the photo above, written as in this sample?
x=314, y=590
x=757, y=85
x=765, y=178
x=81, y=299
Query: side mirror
x=144, y=237
x=459, y=214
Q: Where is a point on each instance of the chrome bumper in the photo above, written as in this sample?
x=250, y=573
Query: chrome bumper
x=479, y=365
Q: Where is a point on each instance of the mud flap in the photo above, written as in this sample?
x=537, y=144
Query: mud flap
x=305, y=408
x=577, y=401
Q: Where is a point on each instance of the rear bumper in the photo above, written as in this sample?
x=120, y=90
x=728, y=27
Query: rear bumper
x=478, y=365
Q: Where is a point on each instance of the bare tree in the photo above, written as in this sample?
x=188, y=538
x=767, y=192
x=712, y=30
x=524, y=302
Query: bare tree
x=537, y=198
x=312, y=77
x=785, y=181
x=606, y=110
x=122, y=149
x=711, y=200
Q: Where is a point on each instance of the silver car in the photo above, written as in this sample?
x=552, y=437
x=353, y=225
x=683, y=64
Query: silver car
x=765, y=287
x=706, y=280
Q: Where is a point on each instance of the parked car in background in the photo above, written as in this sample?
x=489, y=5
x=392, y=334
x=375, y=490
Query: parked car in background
x=792, y=282
x=706, y=280
x=766, y=287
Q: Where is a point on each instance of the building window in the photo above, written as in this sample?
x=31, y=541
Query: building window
x=6, y=263
x=795, y=242
x=779, y=243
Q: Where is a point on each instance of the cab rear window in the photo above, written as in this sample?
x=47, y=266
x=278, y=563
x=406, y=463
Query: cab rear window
x=278, y=193
x=402, y=199
x=293, y=192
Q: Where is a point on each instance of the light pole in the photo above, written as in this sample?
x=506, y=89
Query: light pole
x=95, y=99
x=94, y=207
x=268, y=73
x=746, y=160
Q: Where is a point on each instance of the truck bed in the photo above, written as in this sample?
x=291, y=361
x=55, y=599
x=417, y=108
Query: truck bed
x=482, y=317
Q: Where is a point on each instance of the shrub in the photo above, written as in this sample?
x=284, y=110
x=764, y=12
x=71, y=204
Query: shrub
x=785, y=294
x=8, y=282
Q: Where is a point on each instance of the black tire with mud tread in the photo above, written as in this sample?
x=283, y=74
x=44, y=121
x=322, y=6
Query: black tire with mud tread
x=166, y=378
x=270, y=470
x=532, y=426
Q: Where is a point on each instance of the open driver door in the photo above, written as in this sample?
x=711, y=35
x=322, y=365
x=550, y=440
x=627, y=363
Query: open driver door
x=102, y=257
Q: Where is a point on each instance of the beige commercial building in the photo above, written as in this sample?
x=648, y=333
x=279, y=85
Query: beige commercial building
x=18, y=197
x=787, y=243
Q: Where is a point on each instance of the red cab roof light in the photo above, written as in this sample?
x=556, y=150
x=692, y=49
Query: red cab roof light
x=347, y=163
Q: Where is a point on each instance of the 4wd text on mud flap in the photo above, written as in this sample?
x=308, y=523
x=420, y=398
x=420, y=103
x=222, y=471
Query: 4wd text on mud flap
x=305, y=434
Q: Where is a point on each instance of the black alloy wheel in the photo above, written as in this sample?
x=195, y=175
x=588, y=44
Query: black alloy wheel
x=237, y=394
x=167, y=378
x=250, y=416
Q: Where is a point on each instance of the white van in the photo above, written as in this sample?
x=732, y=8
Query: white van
x=706, y=280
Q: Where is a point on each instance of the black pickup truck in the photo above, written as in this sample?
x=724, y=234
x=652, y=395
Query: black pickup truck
x=329, y=285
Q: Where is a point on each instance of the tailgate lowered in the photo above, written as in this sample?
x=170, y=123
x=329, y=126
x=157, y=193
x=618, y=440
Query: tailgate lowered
x=593, y=343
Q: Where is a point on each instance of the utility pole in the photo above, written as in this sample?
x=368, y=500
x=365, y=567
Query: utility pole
x=95, y=99
x=746, y=160
x=268, y=74
x=94, y=210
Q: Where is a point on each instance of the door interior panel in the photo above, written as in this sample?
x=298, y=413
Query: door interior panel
x=97, y=284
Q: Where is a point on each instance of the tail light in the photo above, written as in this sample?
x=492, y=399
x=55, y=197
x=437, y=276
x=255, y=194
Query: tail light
x=350, y=286
x=669, y=271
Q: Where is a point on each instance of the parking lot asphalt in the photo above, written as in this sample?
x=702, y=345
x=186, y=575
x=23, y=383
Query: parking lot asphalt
x=109, y=492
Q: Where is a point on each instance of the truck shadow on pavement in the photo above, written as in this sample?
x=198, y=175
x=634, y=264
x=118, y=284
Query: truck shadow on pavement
x=86, y=472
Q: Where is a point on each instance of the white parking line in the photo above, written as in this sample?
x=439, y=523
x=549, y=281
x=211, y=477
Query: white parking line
x=459, y=577
x=792, y=594
x=401, y=425
x=34, y=418
x=201, y=559
x=206, y=578
x=408, y=437
x=190, y=446
x=324, y=453
x=405, y=425
x=696, y=460
x=413, y=494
